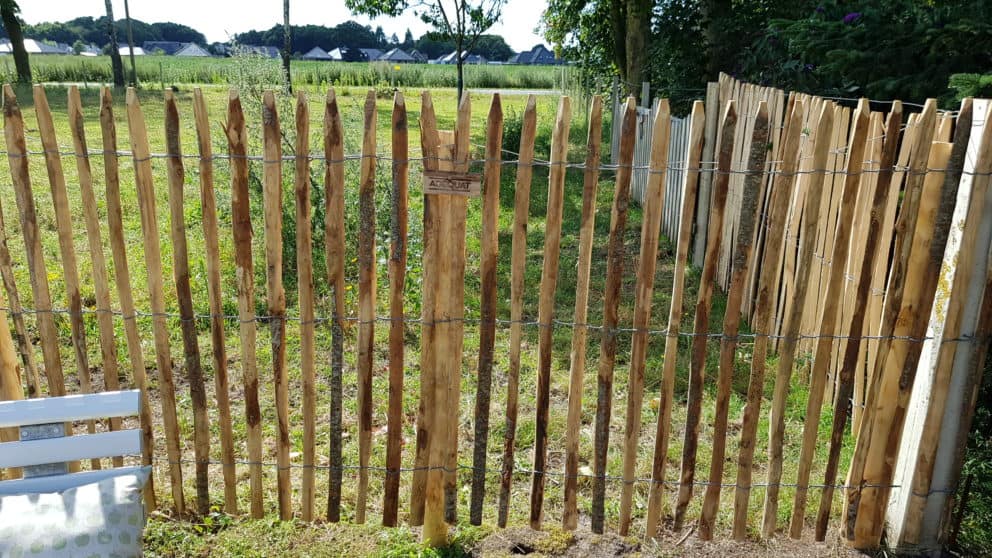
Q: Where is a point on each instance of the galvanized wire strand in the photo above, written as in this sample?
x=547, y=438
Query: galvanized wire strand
x=504, y=322
x=554, y=474
x=705, y=167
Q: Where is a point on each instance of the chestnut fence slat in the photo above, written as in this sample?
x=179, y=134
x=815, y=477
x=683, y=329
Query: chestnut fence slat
x=848, y=252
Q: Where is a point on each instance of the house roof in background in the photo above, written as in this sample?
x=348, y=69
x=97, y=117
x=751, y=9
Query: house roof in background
x=192, y=49
x=372, y=53
x=397, y=55
x=167, y=47
x=317, y=53
x=36, y=47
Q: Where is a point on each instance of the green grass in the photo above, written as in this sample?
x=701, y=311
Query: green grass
x=172, y=70
x=190, y=537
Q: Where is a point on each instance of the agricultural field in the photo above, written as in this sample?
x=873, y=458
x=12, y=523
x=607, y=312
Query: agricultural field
x=159, y=71
x=220, y=534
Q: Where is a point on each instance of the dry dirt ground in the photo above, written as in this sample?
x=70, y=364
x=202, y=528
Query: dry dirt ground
x=524, y=541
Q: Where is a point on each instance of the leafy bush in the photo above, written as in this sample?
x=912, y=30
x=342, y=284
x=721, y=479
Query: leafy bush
x=976, y=524
x=971, y=85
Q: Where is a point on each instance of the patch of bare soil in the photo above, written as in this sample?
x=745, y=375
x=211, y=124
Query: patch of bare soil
x=523, y=541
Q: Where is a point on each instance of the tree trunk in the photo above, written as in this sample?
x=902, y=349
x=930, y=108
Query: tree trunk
x=286, y=45
x=8, y=11
x=712, y=11
x=618, y=20
x=115, y=54
x=459, y=65
x=130, y=44
x=638, y=30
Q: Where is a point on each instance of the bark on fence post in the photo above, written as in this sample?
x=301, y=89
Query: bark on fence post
x=518, y=259
x=122, y=279
x=487, y=325
x=334, y=256
x=611, y=301
x=245, y=280
x=701, y=326
x=580, y=334
x=667, y=396
x=546, y=304
x=304, y=277
x=180, y=274
x=755, y=170
x=153, y=263
x=763, y=324
x=208, y=209
x=654, y=204
x=397, y=324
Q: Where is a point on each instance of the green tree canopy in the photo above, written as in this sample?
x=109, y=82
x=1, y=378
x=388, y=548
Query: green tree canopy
x=462, y=21
x=492, y=47
x=905, y=49
x=92, y=30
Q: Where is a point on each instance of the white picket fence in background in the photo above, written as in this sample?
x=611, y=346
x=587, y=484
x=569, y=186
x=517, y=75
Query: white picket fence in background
x=677, y=153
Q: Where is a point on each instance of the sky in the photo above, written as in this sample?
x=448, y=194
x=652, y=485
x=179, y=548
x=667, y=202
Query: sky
x=219, y=19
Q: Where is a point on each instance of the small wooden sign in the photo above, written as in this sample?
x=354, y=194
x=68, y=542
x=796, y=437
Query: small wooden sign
x=452, y=183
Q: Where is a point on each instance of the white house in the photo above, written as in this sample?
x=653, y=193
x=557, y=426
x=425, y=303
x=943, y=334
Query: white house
x=126, y=51
x=36, y=47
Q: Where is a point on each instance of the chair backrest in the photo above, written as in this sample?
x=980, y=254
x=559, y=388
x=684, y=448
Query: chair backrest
x=40, y=419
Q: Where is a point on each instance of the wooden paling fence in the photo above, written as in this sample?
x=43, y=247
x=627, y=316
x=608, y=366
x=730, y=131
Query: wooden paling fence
x=858, y=238
x=676, y=165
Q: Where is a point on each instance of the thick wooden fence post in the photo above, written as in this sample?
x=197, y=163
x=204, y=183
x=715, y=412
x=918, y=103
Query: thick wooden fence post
x=954, y=308
x=450, y=152
x=580, y=333
x=153, y=263
x=426, y=411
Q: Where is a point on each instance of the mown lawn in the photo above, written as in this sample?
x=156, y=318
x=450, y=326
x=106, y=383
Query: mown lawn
x=164, y=534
